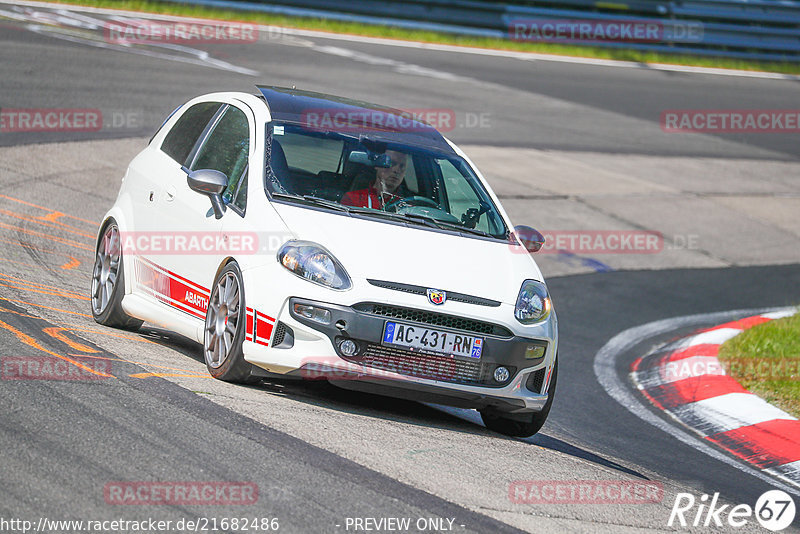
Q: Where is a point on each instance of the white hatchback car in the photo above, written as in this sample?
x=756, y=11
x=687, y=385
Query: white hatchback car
x=306, y=235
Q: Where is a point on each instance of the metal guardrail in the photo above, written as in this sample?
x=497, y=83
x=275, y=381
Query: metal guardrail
x=747, y=29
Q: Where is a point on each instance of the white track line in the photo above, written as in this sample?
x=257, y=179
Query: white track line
x=526, y=56
x=605, y=370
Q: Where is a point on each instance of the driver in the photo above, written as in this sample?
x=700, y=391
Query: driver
x=384, y=189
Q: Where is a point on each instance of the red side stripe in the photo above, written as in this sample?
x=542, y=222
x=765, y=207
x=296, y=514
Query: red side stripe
x=693, y=389
x=764, y=445
x=264, y=316
x=249, y=325
x=263, y=330
x=175, y=275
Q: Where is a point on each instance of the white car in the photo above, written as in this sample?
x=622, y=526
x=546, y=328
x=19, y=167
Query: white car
x=306, y=235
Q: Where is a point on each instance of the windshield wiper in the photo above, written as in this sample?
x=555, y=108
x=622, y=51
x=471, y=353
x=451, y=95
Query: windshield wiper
x=310, y=199
x=425, y=221
x=414, y=218
x=446, y=225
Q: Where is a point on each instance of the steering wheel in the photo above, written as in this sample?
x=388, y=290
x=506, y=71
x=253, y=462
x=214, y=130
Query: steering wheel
x=425, y=201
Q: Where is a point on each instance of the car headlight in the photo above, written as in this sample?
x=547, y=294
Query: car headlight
x=314, y=263
x=533, y=302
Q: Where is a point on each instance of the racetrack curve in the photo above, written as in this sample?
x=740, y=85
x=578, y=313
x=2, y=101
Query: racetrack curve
x=567, y=147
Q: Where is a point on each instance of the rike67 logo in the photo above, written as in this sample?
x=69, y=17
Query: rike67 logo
x=774, y=510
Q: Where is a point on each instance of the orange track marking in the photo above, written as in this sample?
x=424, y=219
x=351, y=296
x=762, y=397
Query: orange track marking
x=71, y=264
x=48, y=225
x=21, y=263
x=34, y=247
x=162, y=375
x=47, y=209
x=55, y=293
x=56, y=332
x=45, y=307
x=37, y=285
x=123, y=336
x=6, y=310
x=31, y=342
x=119, y=359
x=47, y=236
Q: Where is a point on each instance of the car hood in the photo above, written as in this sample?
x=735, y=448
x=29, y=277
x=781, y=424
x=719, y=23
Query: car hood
x=371, y=248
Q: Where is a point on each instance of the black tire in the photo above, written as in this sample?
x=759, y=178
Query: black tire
x=108, y=281
x=523, y=429
x=229, y=365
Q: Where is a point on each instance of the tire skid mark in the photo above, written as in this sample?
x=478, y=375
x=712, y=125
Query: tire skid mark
x=44, y=291
x=19, y=280
x=76, y=328
x=165, y=375
x=36, y=220
x=29, y=340
x=51, y=212
x=57, y=332
x=29, y=265
x=121, y=359
x=37, y=249
x=17, y=301
x=51, y=237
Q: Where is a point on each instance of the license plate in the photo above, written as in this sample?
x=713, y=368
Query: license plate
x=417, y=337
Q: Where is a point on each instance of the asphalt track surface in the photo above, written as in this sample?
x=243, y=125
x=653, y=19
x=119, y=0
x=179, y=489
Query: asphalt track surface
x=318, y=454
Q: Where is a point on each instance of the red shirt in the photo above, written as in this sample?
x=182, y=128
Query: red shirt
x=368, y=198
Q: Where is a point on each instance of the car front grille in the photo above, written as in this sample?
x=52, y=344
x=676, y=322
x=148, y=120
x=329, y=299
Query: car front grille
x=536, y=380
x=432, y=367
x=420, y=290
x=280, y=334
x=434, y=319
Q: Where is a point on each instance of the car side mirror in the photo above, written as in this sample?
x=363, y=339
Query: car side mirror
x=531, y=239
x=210, y=183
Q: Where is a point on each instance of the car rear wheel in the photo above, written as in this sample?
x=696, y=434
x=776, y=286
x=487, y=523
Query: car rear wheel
x=108, y=282
x=523, y=429
x=224, y=329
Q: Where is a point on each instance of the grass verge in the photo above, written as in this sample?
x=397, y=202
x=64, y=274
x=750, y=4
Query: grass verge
x=765, y=359
x=390, y=32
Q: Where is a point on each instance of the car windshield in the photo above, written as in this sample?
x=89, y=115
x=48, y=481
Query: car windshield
x=381, y=179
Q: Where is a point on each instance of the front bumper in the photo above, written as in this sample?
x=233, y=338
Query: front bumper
x=397, y=372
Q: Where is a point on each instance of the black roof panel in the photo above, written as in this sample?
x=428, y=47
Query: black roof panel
x=322, y=112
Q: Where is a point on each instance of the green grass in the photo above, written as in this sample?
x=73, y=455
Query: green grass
x=435, y=37
x=765, y=359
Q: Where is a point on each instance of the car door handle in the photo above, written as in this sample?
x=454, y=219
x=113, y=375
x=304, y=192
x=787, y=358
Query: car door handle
x=170, y=194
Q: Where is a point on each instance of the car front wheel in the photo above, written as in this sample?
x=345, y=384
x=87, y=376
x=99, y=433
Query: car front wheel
x=224, y=329
x=523, y=429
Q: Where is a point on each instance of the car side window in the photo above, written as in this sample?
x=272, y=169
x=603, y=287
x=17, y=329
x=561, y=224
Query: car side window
x=240, y=200
x=226, y=149
x=180, y=140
